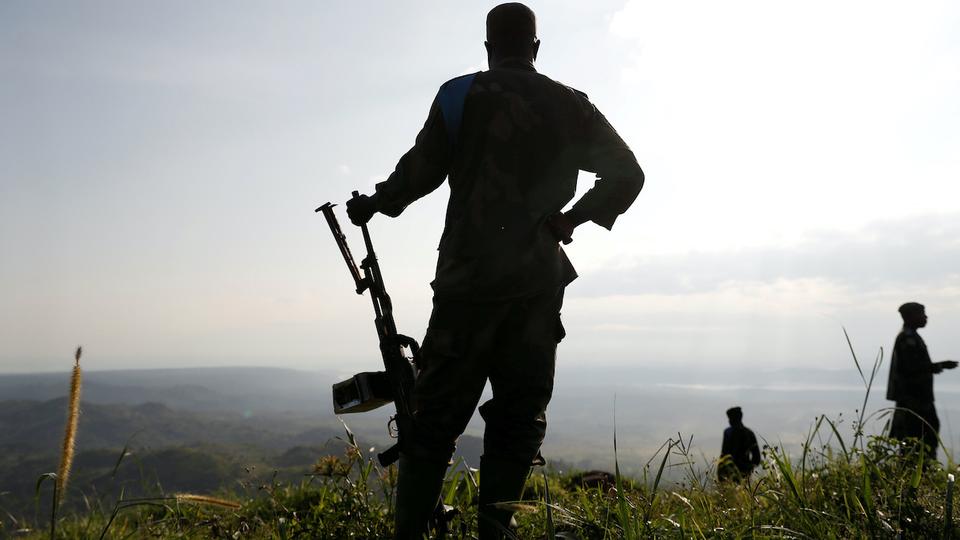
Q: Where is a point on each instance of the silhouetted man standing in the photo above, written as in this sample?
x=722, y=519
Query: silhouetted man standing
x=911, y=382
x=511, y=142
x=740, y=452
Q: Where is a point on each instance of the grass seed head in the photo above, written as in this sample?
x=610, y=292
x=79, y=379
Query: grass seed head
x=70, y=430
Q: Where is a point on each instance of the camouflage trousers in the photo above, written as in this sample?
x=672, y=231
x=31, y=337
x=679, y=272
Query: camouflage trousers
x=512, y=344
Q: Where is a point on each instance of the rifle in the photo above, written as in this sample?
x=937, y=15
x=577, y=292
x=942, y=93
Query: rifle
x=370, y=390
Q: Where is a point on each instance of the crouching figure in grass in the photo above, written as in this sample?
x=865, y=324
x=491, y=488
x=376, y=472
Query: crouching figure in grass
x=740, y=452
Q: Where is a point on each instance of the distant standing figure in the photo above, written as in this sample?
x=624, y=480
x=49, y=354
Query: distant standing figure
x=740, y=452
x=911, y=382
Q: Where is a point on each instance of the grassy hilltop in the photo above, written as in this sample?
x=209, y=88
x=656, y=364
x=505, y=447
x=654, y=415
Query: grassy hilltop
x=861, y=488
x=837, y=484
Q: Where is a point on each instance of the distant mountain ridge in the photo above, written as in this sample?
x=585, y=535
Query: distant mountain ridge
x=37, y=427
x=276, y=408
x=177, y=449
x=203, y=389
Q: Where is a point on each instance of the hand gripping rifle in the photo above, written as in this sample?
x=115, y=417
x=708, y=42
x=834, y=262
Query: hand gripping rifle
x=369, y=390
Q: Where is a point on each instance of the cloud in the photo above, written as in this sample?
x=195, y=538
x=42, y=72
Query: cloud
x=923, y=250
x=790, y=114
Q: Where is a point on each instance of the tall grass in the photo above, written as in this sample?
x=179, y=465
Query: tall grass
x=68, y=446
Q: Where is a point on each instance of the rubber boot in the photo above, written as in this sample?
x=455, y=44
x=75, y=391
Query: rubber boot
x=419, y=483
x=500, y=481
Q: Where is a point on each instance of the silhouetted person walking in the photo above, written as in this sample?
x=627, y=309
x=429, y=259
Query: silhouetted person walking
x=911, y=382
x=740, y=452
x=511, y=142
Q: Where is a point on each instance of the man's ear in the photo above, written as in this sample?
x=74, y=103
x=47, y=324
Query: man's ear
x=536, y=48
x=486, y=45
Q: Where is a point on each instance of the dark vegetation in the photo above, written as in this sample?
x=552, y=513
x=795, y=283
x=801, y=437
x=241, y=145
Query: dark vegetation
x=838, y=490
x=164, y=450
x=191, y=475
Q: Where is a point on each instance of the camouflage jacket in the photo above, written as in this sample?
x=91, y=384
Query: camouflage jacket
x=911, y=371
x=514, y=162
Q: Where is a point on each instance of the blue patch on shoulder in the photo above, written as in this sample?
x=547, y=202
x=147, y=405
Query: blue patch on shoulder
x=452, y=96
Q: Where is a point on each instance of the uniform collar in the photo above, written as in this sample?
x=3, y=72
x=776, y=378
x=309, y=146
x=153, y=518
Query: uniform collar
x=515, y=62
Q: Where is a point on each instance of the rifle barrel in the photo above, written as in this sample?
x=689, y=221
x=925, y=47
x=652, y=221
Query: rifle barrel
x=341, y=241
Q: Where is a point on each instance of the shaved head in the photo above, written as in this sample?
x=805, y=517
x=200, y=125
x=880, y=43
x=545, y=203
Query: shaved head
x=512, y=30
x=511, y=22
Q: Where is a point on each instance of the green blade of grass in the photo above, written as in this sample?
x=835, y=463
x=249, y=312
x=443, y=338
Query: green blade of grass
x=783, y=464
x=551, y=530
x=626, y=520
x=918, y=469
x=852, y=352
x=867, y=490
x=836, y=432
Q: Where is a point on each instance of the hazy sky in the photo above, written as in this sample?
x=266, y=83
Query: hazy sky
x=160, y=163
